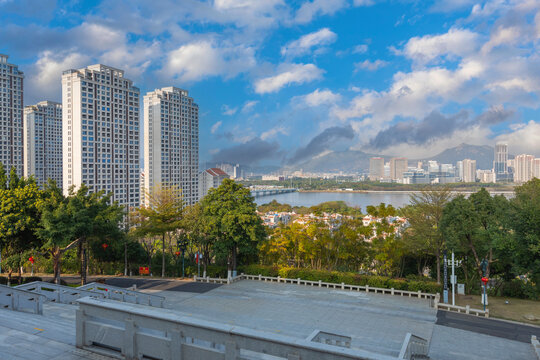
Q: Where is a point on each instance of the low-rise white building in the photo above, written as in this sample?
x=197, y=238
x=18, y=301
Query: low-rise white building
x=210, y=178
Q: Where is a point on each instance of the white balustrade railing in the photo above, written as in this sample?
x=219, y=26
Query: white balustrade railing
x=58, y=293
x=341, y=286
x=414, y=347
x=463, y=309
x=21, y=300
x=136, y=332
x=124, y=295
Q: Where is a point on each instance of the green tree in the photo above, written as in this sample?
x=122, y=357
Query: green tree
x=19, y=214
x=71, y=221
x=162, y=217
x=229, y=213
x=424, y=217
x=525, y=223
x=476, y=228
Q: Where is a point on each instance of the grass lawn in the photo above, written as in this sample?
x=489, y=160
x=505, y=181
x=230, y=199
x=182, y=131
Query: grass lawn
x=516, y=309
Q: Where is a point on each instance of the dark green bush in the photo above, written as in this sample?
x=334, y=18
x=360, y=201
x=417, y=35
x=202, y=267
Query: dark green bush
x=398, y=284
x=255, y=269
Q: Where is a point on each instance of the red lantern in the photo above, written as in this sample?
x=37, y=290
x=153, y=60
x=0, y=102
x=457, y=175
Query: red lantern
x=104, y=246
x=177, y=253
x=485, y=280
x=31, y=259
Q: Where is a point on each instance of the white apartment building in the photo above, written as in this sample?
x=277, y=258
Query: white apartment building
x=43, y=142
x=469, y=170
x=11, y=116
x=486, y=176
x=210, y=178
x=101, y=132
x=523, y=168
x=397, y=167
x=171, y=142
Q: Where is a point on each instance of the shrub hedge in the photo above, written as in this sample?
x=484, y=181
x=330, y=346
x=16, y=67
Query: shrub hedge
x=343, y=277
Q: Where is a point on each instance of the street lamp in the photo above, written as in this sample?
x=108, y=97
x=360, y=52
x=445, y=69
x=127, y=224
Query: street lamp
x=182, y=243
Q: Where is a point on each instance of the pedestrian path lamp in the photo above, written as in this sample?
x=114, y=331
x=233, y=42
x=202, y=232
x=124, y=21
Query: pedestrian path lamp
x=485, y=281
x=182, y=245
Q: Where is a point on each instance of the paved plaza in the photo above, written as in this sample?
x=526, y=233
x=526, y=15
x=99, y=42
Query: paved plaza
x=375, y=322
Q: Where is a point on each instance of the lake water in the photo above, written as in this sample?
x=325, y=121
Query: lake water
x=396, y=199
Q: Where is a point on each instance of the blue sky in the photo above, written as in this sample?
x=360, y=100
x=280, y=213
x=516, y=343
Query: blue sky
x=279, y=82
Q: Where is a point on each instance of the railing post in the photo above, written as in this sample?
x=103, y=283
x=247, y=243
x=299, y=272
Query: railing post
x=231, y=352
x=129, y=347
x=343, y=286
x=419, y=294
x=467, y=309
x=487, y=313
x=260, y=277
x=320, y=283
x=367, y=288
x=392, y=291
x=79, y=328
x=298, y=281
x=176, y=344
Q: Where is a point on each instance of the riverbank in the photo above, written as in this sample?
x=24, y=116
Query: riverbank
x=458, y=191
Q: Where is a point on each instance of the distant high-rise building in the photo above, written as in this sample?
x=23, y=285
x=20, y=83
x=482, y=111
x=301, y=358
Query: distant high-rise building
x=536, y=168
x=397, y=167
x=101, y=132
x=43, y=142
x=523, y=168
x=376, y=168
x=486, y=176
x=171, y=142
x=11, y=116
x=469, y=170
x=459, y=170
x=500, y=163
x=210, y=178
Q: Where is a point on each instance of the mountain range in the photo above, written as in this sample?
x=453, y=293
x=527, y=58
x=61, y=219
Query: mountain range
x=358, y=161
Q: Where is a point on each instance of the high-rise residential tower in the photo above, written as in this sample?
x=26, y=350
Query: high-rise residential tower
x=43, y=142
x=171, y=142
x=469, y=170
x=397, y=167
x=500, y=162
x=376, y=168
x=101, y=132
x=524, y=168
x=11, y=116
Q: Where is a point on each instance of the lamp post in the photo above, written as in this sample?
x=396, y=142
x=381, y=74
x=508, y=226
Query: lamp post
x=484, y=264
x=182, y=244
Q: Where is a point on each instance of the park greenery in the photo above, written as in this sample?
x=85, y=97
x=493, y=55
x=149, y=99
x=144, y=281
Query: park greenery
x=80, y=231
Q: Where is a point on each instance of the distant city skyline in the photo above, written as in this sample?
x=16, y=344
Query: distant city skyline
x=279, y=82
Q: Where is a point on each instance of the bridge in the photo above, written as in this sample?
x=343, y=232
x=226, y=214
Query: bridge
x=258, y=192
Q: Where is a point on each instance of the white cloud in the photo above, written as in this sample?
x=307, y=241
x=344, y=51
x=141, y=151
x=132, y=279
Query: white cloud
x=370, y=65
x=45, y=76
x=523, y=139
x=287, y=75
x=216, y=127
x=414, y=94
x=317, y=98
x=305, y=44
x=360, y=49
x=251, y=13
x=249, y=105
x=503, y=35
x=456, y=42
x=273, y=132
x=226, y=110
x=363, y=2
x=311, y=9
x=198, y=60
